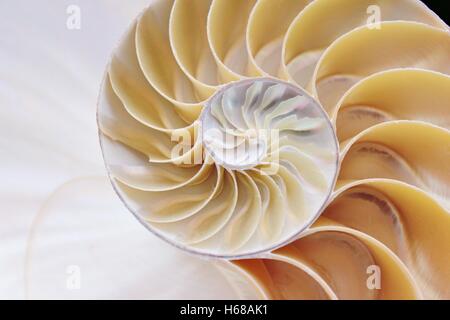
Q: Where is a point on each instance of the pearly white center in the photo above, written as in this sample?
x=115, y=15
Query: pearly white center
x=244, y=123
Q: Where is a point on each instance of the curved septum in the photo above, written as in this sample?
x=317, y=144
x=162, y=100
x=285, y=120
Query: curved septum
x=242, y=124
x=260, y=195
x=280, y=138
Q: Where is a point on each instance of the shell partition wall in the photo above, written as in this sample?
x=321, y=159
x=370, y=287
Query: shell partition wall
x=304, y=145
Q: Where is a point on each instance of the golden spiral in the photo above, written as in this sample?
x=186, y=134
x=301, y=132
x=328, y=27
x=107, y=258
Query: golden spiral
x=358, y=92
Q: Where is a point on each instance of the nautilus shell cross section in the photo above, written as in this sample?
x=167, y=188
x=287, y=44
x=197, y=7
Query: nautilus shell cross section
x=254, y=171
x=307, y=142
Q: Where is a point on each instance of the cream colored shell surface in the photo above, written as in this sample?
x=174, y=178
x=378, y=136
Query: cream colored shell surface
x=385, y=88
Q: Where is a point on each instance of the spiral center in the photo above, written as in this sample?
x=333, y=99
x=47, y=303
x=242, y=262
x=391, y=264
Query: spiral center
x=246, y=123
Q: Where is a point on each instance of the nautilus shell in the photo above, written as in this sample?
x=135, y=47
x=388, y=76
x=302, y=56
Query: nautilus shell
x=306, y=142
